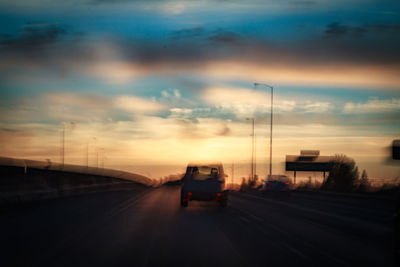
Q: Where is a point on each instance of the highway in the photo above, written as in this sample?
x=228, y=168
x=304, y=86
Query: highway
x=149, y=228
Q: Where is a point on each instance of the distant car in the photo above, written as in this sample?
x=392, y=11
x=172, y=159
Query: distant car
x=276, y=183
x=204, y=182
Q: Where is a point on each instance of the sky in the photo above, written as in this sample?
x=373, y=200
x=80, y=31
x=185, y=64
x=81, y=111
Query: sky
x=148, y=86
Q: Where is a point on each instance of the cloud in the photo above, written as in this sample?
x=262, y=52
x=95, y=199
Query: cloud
x=114, y=72
x=374, y=105
x=165, y=94
x=303, y=4
x=225, y=37
x=137, y=105
x=315, y=59
x=177, y=94
x=90, y=101
x=218, y=95
x=113, y=1
x=180, y=112
x=367, y=76
x=244, y=102
x=317, y=107
x=33, y=36
x=78, y=107
x=187, y=33
x=336, y=30
x=384, y=28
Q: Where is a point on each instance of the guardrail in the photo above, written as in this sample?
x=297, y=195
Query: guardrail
x=49, y=165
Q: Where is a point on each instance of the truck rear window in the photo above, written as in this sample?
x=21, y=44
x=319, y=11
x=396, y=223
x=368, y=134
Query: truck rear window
x=204, y=172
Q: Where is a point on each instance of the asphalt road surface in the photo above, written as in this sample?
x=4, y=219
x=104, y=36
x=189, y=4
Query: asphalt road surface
x=149, y=228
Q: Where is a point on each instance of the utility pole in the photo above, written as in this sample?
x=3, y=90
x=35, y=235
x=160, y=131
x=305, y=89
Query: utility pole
x=270, y=134
x=102, y=157
x=62, y=152
x=96, y=149
x=87, y=155
x=252, y=149
x=233, y=171
x=255, y=157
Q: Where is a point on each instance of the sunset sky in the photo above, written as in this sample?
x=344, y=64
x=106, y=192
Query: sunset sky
x=152, y=85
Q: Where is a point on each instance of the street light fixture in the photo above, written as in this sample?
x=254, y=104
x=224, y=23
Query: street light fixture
x=270, y=136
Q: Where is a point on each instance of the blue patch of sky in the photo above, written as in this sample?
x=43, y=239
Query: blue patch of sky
x=10, y=23
x=39, y=82
x=335, y=94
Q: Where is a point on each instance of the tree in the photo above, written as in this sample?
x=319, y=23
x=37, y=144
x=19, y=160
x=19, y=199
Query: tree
x=343, y=175
x=364, y=182
x=243, y=185
x=253, y=181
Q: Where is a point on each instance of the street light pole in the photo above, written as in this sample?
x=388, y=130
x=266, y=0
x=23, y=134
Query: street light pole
x=252, y=149
x=87, y=155
x=62, y=152
x=233, y=171
x=102, y=157
x=94, y=139
x=270, y=134
x=63, y=146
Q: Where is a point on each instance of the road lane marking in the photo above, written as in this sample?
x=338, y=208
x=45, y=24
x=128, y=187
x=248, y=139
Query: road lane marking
x=349, y=221
x=284, y=244
x=251, y=215
x=127, y=204
x=244, y=219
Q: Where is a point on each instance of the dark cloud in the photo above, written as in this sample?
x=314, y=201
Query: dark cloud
x=226, y=37
x=5, y=36
x=9, y=130
x=100, y=2
x=51, y=46
x=346, y=44
x=384, y=28
x=33, y=35
x=187, y=33
x=335, y=30
x=302, y=4
x=225, y=131
x=44, y=46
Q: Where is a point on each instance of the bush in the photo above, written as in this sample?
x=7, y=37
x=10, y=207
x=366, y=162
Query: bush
x=343, y=175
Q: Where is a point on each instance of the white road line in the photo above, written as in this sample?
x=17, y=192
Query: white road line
x=350, y=221
x=286, y=245
x=244, y=219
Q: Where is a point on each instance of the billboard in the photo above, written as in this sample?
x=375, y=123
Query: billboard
x=308, y=163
